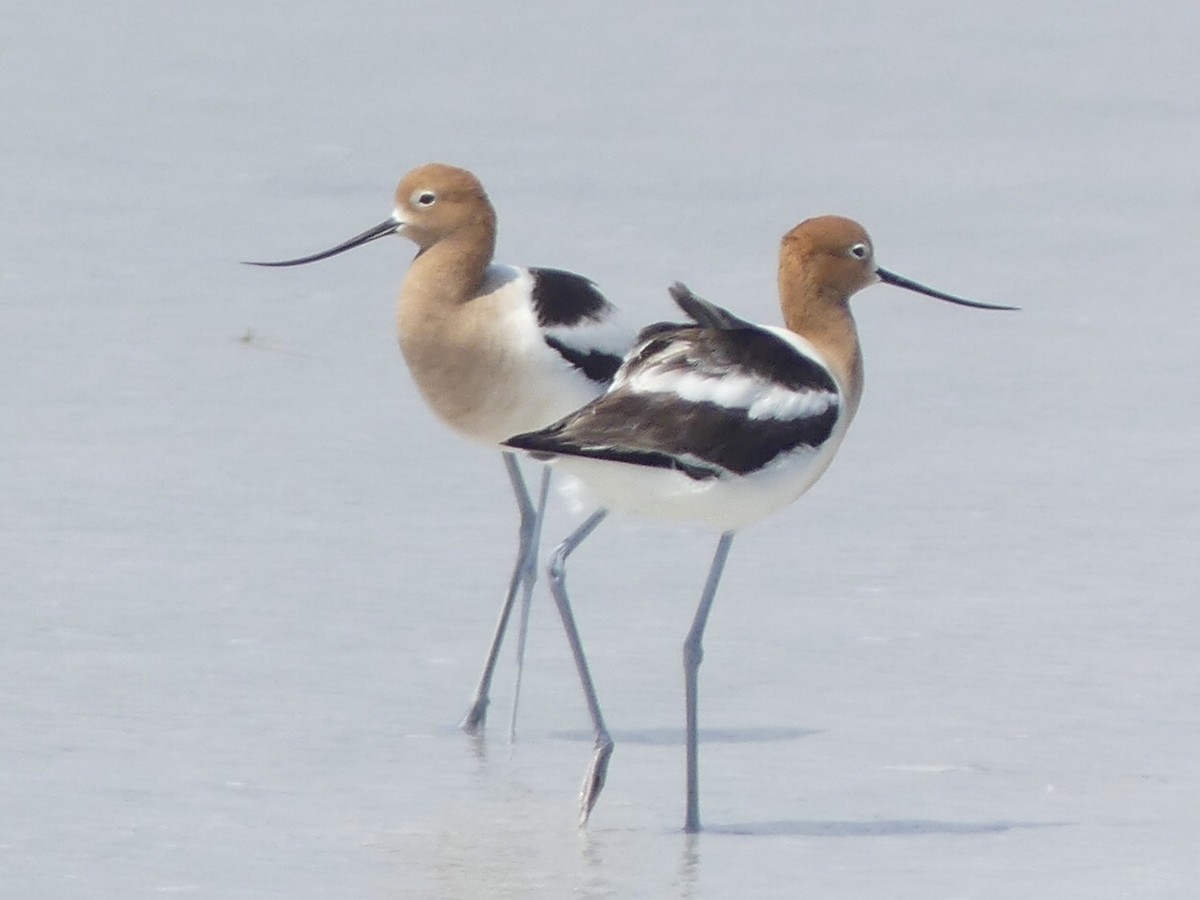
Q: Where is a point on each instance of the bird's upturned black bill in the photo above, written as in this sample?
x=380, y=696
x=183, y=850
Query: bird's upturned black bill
x=900, y=281
x=383, y=229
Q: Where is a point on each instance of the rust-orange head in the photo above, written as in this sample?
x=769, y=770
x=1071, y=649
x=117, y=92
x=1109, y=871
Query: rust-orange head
x=433, y=202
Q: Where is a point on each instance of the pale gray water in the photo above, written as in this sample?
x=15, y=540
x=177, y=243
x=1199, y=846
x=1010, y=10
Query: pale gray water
x=246, y=584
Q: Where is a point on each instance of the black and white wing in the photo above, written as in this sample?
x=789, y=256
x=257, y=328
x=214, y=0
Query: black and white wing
x=709, y=401
x=579, y=323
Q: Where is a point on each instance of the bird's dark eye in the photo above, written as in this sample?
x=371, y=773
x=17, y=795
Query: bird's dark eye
x=860, y=251
x=426, y=198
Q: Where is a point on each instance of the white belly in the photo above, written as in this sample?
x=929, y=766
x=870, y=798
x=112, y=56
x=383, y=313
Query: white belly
x=726, y=503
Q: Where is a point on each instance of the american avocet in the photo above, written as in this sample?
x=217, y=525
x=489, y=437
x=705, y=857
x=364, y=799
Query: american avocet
x=720, y=422
x=495, y=350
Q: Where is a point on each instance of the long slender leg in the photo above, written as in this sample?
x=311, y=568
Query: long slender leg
x=528, y=580
x=593, y=779
x=477, y=714
x=693, y=654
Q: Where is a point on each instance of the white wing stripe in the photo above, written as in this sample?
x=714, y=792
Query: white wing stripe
x=760, y=399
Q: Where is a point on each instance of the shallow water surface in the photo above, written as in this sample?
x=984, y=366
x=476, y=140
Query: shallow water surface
x=248, y=580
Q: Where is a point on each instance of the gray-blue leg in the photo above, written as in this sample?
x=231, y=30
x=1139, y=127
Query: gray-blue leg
x=529, y=578
x=477, y=714
x=693, y=654
x=593, y=779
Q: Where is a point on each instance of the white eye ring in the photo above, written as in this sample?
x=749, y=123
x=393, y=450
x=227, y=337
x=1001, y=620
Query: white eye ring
x=425, y=198
x=860, y=251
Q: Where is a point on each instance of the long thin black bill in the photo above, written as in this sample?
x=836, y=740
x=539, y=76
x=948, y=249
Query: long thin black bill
x=383, y=229
x=900, y=281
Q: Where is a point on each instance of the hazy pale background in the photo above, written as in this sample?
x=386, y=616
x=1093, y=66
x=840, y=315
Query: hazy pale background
x=246, y=579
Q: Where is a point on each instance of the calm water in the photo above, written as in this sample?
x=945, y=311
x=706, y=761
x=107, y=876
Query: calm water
x=247, y=580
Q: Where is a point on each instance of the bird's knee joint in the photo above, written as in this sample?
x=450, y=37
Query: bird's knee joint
x=557, y=567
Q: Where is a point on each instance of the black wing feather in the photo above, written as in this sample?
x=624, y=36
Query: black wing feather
x=596, y=365
x=564, y=298
x=704, y=313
